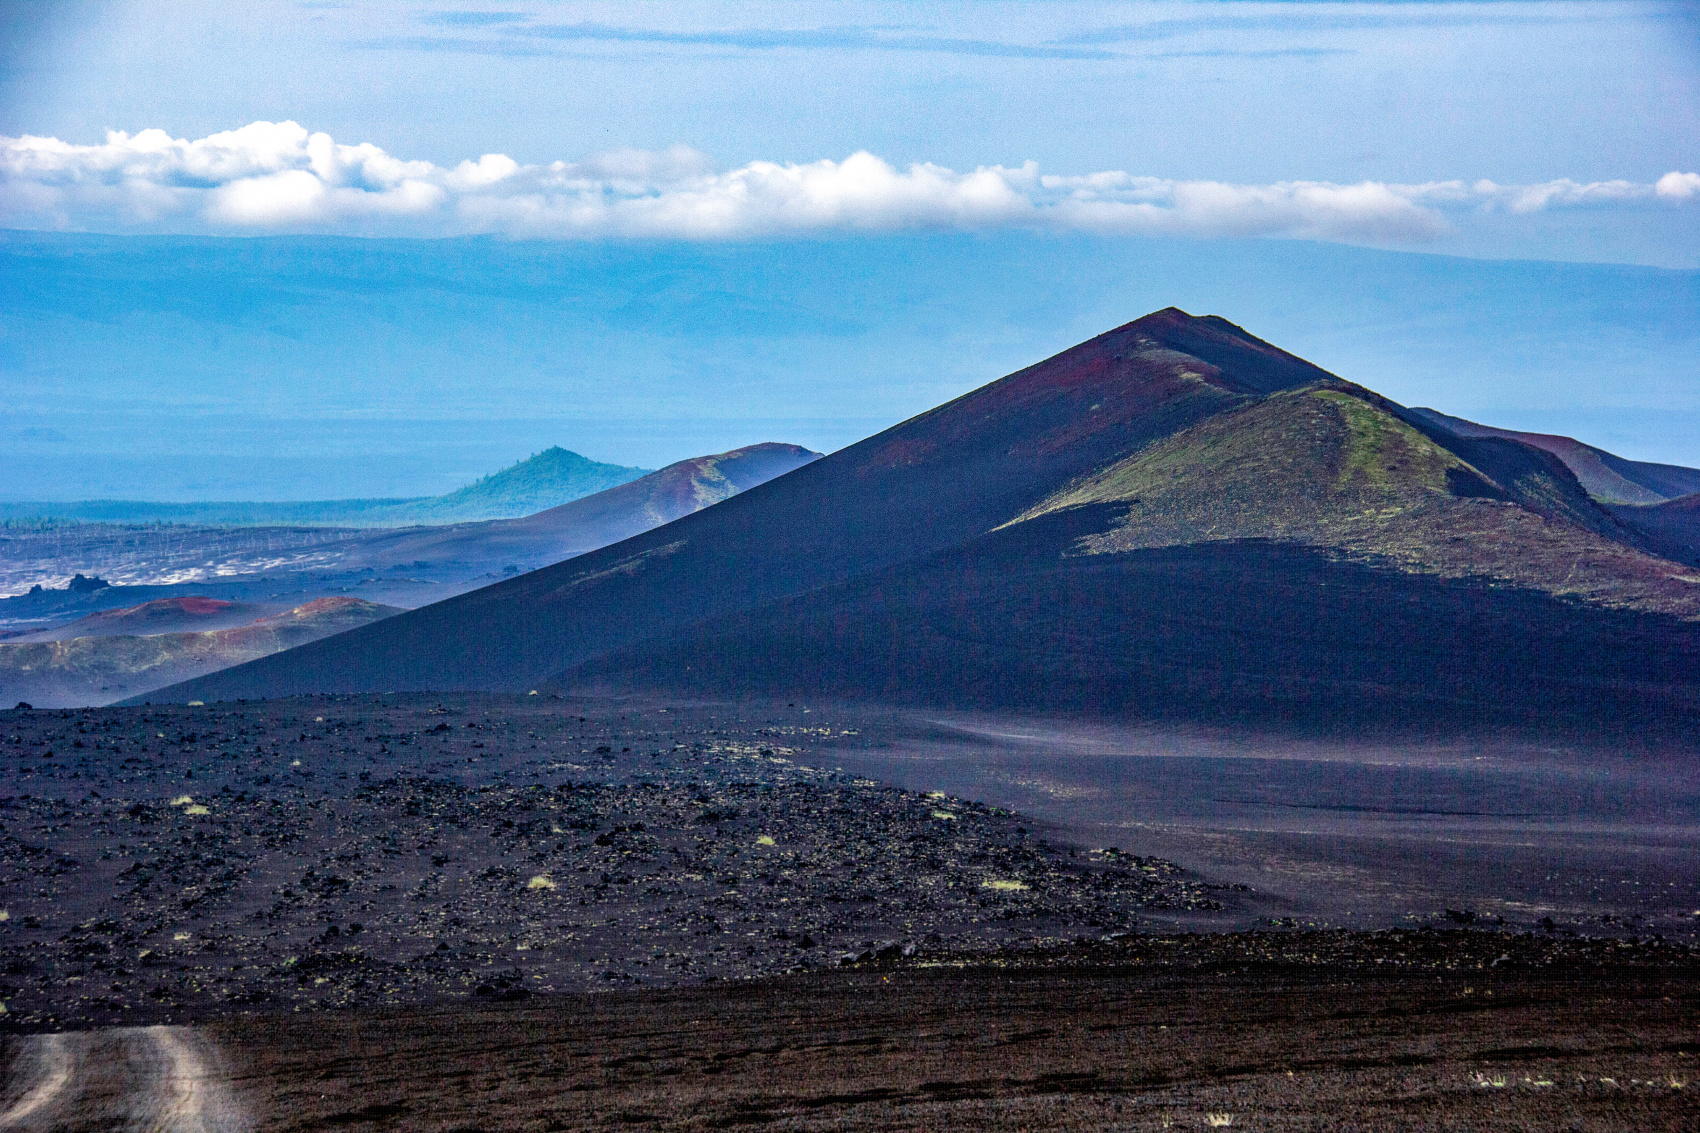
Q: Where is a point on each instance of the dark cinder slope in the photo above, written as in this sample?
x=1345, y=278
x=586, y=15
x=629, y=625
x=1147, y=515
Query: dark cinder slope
x=1173, y=518
x=1608, y=478
x=1671, y=529
x=930, y=483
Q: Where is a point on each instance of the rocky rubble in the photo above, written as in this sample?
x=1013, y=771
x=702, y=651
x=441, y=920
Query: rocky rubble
x=164, y=863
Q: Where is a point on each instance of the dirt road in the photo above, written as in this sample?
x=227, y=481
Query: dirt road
x=153, y=1079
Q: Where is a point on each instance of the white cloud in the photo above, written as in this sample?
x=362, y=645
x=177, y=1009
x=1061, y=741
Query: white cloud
x=1678, y=186
x=277, y=176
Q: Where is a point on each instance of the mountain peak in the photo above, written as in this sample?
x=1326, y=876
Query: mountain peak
x=1206, y=520
x=543, y=480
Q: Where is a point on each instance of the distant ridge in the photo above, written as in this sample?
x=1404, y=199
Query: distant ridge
x=1174, y=518
x=100, y=668
x=547, y=479
x=587, y=523
x=1608, y=478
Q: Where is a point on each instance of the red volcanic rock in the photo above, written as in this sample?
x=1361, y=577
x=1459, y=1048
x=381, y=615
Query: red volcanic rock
x=319, y=607
x=193, y=605
x=191, y=613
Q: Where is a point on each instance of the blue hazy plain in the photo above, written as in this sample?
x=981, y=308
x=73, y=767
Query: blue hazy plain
x=178, y=368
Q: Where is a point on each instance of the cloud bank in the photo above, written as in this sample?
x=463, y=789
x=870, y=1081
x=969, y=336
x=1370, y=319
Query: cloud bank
x=279, y=177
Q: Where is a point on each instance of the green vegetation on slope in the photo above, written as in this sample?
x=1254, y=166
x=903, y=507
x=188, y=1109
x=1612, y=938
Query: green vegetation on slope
x=1333, y=466
x=548, y=479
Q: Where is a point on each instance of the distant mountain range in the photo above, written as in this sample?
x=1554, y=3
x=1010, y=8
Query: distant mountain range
x=545, y=480
x=514, y=545
x=1174, y=518
x=123, y=645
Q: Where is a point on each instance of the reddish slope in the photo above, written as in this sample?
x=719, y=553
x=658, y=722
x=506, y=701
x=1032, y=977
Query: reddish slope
x=191, y=614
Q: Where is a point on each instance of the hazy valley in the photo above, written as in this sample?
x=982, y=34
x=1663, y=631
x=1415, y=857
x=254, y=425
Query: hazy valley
x=192, y=581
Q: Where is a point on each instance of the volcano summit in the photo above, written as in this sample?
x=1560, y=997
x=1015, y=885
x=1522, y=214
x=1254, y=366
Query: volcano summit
x=1172, y=519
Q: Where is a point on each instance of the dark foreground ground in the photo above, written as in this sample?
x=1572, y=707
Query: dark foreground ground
x=1459, y=1029
x=172, y=864
x=482, y=912
x=1259, y=1045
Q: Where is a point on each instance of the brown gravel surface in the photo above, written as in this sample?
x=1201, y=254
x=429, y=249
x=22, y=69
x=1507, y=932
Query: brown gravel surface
x=1273, y=1031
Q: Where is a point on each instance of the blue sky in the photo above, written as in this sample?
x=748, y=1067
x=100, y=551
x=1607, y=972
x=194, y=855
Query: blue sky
x=1534, y=130
x=803, y=222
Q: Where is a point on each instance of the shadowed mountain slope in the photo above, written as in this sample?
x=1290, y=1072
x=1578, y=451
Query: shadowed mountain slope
x=1671, y=529
x=1174, y=516
x=929, y=483
x=101, y=669
x=1608, y=478
x=1269, y=634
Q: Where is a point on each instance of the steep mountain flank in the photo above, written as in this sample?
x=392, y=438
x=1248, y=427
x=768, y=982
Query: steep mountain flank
x=1174, y=517
x=929, y=483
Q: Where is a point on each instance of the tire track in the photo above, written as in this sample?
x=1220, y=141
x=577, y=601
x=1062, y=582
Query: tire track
x=53, y=1063
x=141, y=1079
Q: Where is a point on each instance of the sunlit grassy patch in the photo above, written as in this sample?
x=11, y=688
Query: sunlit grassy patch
x=1003, y=884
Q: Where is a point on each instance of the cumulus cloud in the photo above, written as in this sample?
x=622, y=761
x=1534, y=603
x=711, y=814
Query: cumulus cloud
x=279, y=177
x=1678, y=186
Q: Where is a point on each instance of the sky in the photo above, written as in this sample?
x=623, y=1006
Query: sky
x=681, y=150
x=1537, y=130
